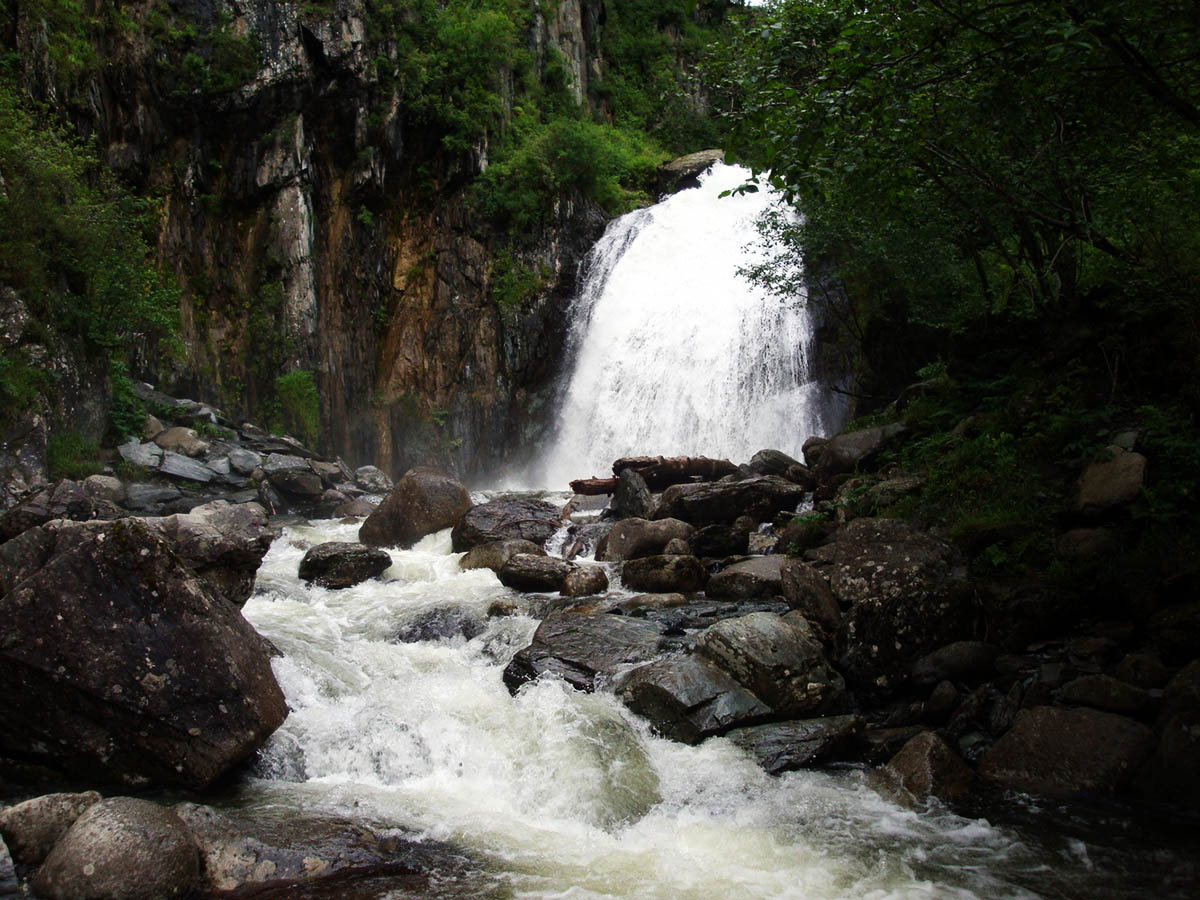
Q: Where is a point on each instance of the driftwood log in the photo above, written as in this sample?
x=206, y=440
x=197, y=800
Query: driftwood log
x=658, y=472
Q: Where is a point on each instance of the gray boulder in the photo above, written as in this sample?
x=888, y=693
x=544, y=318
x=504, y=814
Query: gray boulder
x=787, y=746
x=687, y=698
x=32, y=828
x=302, y=484
x=424, y=501
x=498, y=520
x=372, y=480
x=583, y=648
x=852, y=449
x=926, y=767
x=244, y=461
x=720, y=541
x=120, y=665
x=634, y=537
x=123, y=848
x=495, y=554
x=104, y=487
x=223, y=543
x=1057, y=751
x=723, y=502
x=342, y=564
x=772, y=462
x=143, y=497
x=181, y=440
x=62, y=500
x=179, y=466
x=756, y=577
x=664, y=574
x=148, y=455
x=534, y=572
x=1104, y=692
x=632, y=498
x=583, y=581
x=779, y=659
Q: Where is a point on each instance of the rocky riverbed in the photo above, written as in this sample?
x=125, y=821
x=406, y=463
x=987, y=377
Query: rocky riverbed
x=770, y=614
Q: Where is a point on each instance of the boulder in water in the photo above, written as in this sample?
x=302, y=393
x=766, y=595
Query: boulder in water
x=779, y=659
x=723, y=502
x=583, y=581
x=122, y=848
x=120, y=665
x=926, y=767
x=807, y=591
x=498, y=520
x=534, y=572
x=495, y=554
x=720, y=541
x=687, y=698
x=1064, y=751
x=632, y=498
x=372, y=480
x=581, y=648
x=773, y=462
x=341, y=564
x=632, y=538
x=787, y=746
x=664, y=574
x=424, y=501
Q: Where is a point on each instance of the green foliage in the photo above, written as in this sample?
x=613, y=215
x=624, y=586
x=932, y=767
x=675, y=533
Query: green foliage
x=512, y=284
x=127, y=413
x=542, y=162
x=70, y=455
x=299, y=405
x=21, y=383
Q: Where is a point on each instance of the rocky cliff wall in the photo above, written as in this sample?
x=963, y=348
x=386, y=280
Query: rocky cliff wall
x=315, y=222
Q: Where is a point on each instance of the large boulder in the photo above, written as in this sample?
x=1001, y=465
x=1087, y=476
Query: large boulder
x=223, y=543
x=1171, y=774
x=534, y=572
x=664, y=574
x=926, y=767
x=719, y=541
x=422, y=502
x=122, y=848
x=32, y=828
x=852, y=449
x=756, y=577
x=723, y=502
x=581, y=648
x=495, y=554
x=342, y=564
x=1057, y=751
x=633, y=537
x=372, y=480
x=1115, y=482
x=498, y=520
x=786, y=746
x=182, y=440
x=583, y=581
x=905, y=595
x=120, y=666
x=772, y=462
x=779, y=659
x=687, y=698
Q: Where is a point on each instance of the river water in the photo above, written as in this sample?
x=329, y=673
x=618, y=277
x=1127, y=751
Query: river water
x=556, y=793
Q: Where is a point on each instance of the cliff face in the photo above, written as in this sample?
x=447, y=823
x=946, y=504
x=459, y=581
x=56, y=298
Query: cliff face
x=316, y=222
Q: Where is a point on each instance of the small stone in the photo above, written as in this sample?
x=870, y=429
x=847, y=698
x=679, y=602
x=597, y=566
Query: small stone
x=926, y=767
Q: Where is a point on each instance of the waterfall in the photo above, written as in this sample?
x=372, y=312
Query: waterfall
x=673, y=352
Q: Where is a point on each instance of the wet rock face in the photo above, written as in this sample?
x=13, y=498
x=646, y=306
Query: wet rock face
x=62, y=500
x=664, y=574
x=582, y=648
x=757, y=577
x=634, y=537
x=122, y=849
x=343, y=564
x=120, y=666
x=533, y=572
x=495, y=554
x=926, y=767
x=497, y=520
x=424, y=501
x=787, y=746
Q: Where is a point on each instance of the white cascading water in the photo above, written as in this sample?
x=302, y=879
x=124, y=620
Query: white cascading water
x=673, y=352
x=555, y=793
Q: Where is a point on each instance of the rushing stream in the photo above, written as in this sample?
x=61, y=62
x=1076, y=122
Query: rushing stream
x=556, y=793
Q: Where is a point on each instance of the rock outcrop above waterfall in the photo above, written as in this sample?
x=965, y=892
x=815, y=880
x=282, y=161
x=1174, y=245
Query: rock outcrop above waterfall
x=121, y=665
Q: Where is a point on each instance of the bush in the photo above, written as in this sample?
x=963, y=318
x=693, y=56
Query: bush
x=299, y=405
x=71, y=455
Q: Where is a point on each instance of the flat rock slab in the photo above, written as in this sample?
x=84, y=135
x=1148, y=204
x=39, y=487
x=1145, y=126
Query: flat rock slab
x=583, y=648
x=788, y=746
x=180, y=466
x=688, y=699
x=1057, y=751
x=138, y=453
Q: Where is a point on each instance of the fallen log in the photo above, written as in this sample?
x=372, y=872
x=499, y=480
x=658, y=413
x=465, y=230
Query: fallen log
x=594, y=487
x=661, y=472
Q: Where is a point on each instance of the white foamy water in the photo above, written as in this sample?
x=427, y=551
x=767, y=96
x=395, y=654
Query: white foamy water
x=673, y=352
x=559, y=793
